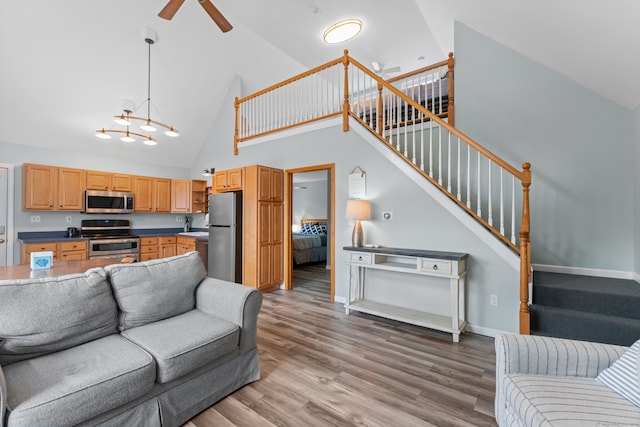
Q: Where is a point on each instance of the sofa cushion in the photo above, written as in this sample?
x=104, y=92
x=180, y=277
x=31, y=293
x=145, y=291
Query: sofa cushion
x=154, y=290
x=186, y=342
x=622, y=376
x=540, y=400
x=73, y=385
x=40, y=316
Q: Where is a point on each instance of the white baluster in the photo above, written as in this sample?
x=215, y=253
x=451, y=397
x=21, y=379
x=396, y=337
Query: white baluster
x=479, y=208
x=398, y=103
x=404, y=119
x=501, y=205
x=513, y=209
x=439, y=154
x=449, y=163
x=489, y=199
x=421, y=142
x=468, y=176
x=459, y=195
x=431, y=149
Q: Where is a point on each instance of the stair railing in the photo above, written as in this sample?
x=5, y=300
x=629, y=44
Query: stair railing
x=481, y=183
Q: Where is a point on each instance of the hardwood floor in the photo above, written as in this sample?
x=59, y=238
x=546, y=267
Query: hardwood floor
x=321, y=367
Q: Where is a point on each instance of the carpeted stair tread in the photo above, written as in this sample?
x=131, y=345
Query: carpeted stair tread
x=581, y=325
x=615, y=297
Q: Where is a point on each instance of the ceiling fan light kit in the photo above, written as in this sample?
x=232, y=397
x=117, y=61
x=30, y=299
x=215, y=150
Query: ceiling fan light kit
x=127, y=119
x=342, y=31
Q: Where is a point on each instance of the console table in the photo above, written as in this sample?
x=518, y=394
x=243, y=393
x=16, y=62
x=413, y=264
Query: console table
x=450, y=266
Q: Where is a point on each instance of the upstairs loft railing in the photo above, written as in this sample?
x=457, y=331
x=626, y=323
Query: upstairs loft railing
x=413, y=115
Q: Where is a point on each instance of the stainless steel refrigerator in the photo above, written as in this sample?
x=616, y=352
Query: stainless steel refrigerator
x=225, y=236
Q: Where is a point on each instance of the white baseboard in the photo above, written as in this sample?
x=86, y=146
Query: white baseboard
x=481, y=330
x=596, y=272
x=341, y=300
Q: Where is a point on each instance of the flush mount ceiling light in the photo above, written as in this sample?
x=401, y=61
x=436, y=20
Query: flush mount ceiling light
x=127, y=117
x=342, y=31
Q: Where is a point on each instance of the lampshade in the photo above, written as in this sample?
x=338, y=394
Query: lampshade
x=358, y=209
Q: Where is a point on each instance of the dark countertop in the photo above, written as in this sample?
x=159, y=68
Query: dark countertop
x=59, y=236
x=423, y=253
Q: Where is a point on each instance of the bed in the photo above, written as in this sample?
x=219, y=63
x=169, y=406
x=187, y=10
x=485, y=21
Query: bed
x=310, y=244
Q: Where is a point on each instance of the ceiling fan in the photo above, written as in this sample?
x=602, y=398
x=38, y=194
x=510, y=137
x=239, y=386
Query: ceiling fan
x=172, y=7
x=384, y=72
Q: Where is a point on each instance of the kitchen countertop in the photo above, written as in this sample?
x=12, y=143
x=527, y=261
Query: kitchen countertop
x=58, y=236
x=59, y=268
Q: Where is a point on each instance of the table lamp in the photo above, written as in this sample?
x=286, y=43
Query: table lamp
x=358, y=209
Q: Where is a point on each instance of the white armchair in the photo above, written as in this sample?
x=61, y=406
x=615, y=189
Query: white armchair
x=542, y=381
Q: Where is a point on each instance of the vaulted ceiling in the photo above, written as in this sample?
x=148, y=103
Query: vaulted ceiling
x=66, y=66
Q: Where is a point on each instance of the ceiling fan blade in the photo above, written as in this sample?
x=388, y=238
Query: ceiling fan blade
x=376, y=67
x=170, y=9
x=215, y=14
x=391, y=70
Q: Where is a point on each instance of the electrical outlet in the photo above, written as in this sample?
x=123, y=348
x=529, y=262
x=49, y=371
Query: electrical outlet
x=35, y=218
x=493, y=299
x=69, y=218
x=179, y=218
x=387, y=215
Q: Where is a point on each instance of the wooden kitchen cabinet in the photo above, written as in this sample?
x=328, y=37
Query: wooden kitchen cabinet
x=39, y=187
x=263, y=227
x=107, y=181
x=162, y=195
x=148, y=248
x=49, y=188
x=71, y=186
x=227, y=180
x=185, y=244
x=166, y=246
x=62, y=250
x=143, y=193
x=188, y=196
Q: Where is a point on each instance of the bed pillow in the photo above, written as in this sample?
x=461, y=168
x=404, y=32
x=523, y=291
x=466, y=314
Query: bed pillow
x=313, y=228
x=622, y=376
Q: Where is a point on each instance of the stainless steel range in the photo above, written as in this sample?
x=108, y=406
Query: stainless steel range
x=110, y=238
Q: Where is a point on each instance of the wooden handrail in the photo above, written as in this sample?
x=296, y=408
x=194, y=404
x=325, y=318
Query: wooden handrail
x=524, y=175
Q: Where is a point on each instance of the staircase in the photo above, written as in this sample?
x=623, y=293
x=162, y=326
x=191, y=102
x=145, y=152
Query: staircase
x=586, y=308
x=412, y=118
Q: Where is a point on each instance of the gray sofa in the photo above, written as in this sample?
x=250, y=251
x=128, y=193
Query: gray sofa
x=145, y=344
x=543, y=381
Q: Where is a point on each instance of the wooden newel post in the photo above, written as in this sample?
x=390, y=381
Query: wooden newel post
x=236, y=135
x=451, y=107
x=345, y=106
x=525, y=253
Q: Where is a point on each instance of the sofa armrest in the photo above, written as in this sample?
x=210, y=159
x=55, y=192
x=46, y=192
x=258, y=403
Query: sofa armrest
x=3, y=398
x=538, y=355
x=233, y=303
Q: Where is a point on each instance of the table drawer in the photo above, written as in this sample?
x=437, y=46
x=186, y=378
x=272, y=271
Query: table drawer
x=360, y=258
x=438, y=266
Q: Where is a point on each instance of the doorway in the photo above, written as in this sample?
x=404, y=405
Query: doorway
x=316, y=219
x=6, y=214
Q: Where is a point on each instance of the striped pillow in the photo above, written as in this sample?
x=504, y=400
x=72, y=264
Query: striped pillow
x=622, y=376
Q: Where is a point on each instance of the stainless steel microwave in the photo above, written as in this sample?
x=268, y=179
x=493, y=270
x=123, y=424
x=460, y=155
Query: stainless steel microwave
x=111, y=202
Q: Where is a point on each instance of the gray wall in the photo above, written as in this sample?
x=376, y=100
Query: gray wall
x=580, y=146
x=418, y=222
x=309, y=202
x=636, y=229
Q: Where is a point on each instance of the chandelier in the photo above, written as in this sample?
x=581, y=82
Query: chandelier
x=128, y=118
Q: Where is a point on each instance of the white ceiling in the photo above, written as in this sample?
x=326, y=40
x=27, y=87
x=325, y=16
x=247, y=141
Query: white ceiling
x=66, y=66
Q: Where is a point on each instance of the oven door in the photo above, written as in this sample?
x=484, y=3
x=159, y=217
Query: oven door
x=114, y=248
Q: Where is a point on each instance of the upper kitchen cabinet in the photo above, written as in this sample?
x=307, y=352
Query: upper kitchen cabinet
x=188, y=196
x=49, y=188
x=227, y=180
x=39, y=187
x=270, y=184
x=107, y=181
x=71, y=186
x=162, y=193
x=143, y=192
